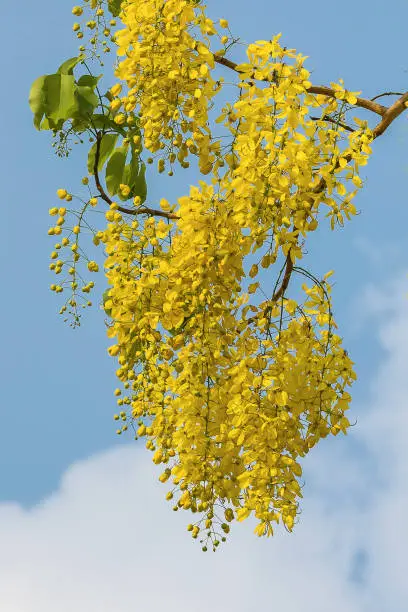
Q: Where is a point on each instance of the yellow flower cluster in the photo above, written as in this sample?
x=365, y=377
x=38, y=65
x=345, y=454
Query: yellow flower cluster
x=168, y=73
x=228, y=390
x=281, y=156
x=69, y=263
x=227, y=404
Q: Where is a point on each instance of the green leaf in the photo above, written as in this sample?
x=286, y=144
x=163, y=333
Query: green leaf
x=88, y=80
x=80, y=123
x=60, y=97
x=103, y=122
x=115, y=168
x=37, y=100
x=114, y=7
x=130, y=175
x=108, y=143
x=68, y=66
x=45, y=124
x=140, y=185
x=87, y=100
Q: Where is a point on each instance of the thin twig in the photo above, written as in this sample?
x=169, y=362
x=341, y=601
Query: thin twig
x=286, y=278
x=327, y=118
x=128, y=211
x=388, y=93
x=392, y=113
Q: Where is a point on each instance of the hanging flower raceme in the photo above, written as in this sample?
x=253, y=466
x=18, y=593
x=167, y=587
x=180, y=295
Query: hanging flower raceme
x=168, y=73
x=229, y=380
x=228, y=403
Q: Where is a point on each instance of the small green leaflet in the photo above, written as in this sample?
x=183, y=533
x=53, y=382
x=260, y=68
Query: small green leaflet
x=115, y=169
x=140, y=185
x=114, y=7
x=54, y=98
x=131, y=174
x=68, y=66
x=134, y=347
x=87, y=101
x=107, y=145
x=37, y=100
x=88, y=80
x=103, y=122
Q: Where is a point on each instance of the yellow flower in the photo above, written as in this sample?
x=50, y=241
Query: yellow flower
x=164, y=204
x=116, y=89
x=124, y=189
x=120, y=119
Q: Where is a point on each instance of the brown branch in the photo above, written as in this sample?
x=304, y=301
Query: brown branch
x=388, y=115
x=226, y=62
x=104, y=196
x=279, y=292
x=286, y=278
x=379, y=109
x=331, y=120
x=128, y=211
x=392, y=113
x=153, y=212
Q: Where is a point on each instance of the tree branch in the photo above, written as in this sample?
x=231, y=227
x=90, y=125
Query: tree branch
x=388, y=115
x=104, y=196
x=286, y=278
x=379, y=109
x=331, y=120
x=128, y=211
x=392, y=113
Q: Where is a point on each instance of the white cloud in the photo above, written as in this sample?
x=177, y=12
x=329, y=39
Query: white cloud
x=106, y=541
x=379, y=256
x=384, y=430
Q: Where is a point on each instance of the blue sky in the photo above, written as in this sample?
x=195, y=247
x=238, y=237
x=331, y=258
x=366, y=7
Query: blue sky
x=66, y=479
